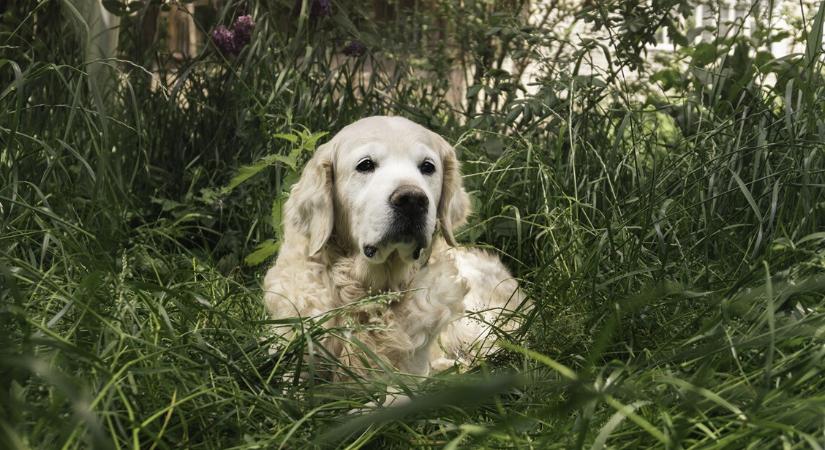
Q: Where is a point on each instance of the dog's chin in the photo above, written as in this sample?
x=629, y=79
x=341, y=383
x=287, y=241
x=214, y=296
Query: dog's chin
x=409, y=249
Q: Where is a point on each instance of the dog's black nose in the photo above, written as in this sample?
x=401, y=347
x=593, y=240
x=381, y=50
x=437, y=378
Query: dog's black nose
x=409, y=200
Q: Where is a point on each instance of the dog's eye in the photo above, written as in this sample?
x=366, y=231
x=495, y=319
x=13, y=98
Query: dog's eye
x=365, y=165
x=427, y=168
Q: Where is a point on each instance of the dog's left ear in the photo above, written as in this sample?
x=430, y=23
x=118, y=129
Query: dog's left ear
x=454, y=205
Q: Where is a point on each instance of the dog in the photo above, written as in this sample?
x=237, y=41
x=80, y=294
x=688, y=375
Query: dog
x=374, y=213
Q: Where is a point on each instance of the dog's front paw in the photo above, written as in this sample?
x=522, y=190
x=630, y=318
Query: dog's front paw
x=443, y=281
x=394, y=397
x=442, y=364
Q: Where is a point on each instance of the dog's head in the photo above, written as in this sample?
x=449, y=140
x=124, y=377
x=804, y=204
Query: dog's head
x=381, y=185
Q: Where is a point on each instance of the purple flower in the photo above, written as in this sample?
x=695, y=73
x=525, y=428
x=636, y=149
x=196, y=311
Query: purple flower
x=317, y=8
x=320, y=8
x=243, y=30
x=230, y=42
x=224, y=39
x=355, y=49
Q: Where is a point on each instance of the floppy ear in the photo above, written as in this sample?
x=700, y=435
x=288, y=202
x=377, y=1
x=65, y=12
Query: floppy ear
x=309, y=209
x=454, y=205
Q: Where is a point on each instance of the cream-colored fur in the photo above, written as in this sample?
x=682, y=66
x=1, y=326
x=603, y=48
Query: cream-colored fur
x=446, y=300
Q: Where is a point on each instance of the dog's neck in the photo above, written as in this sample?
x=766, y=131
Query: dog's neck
x=393, y=275
x=355, y=277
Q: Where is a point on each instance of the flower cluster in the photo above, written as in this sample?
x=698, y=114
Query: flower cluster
x=243, y=28
x=355, y=49
x=230, y=42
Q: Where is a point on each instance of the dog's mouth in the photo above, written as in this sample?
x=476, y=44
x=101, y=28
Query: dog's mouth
x=407, y=236
x=408, y=245
x=412, y=250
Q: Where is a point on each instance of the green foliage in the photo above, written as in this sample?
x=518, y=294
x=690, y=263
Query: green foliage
x=303, y=142
x=668, y=226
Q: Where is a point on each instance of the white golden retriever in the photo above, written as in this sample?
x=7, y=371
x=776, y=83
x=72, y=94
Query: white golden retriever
x=374, y=212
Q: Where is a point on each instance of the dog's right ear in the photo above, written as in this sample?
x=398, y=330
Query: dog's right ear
x=309, y=209
x=454, y=205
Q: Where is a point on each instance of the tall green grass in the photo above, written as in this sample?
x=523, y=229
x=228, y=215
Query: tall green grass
x=668, y=228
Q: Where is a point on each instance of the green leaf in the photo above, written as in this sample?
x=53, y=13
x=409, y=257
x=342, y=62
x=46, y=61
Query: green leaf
x=814, y=43
x=748, y=197
x=668, y=77
x=166, y=204
x=247, y=172
x=704, y=54
x=287, y=137
x=563, y=370
x=627, y=411
x=311, y=141
x=590, y=80
x=513, y=115
x=277, y=214
x=763, y=60
x=473, y=91
x=262, y=252
x=818, y=236
x=615, y=420
x=677, y=37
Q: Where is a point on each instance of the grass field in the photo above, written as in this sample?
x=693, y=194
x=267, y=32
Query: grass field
x=670, y=229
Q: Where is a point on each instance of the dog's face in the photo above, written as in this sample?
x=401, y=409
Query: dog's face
x=390, y=191
x=381, y=186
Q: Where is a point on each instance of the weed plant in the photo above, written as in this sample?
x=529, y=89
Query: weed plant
x=666, y=218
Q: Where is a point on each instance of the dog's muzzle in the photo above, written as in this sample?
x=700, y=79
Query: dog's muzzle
x=409, y=205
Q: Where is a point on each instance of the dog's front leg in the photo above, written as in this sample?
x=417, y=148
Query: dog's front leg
x=435, y=300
